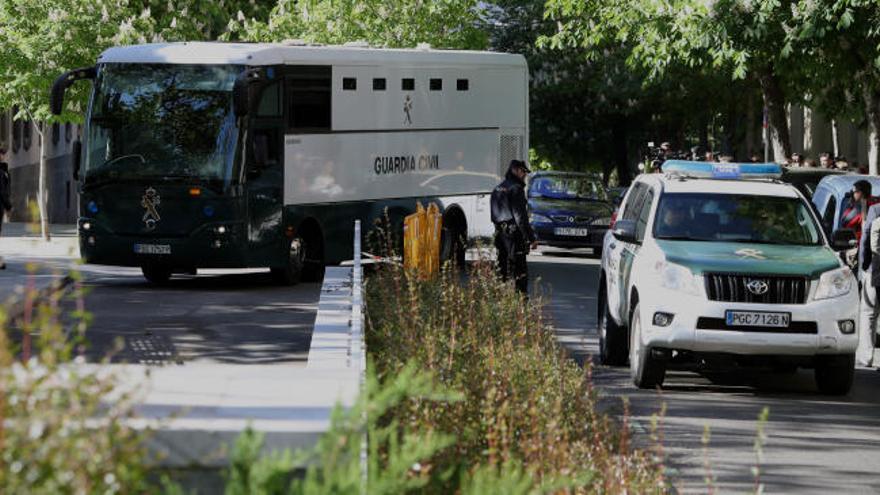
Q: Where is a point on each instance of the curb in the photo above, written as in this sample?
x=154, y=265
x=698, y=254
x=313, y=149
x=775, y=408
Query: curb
x=15, y=305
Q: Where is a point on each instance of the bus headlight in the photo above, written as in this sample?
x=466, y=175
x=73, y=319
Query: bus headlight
x=834, y=283
x=679, y=278
x=220, y=229
x=87, y=225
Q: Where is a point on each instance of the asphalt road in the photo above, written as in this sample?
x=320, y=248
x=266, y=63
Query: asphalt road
x=234, y=317
x=814, y=443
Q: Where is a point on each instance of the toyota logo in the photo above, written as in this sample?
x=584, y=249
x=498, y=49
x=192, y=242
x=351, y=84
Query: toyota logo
x=757, y=287
x=570, y=219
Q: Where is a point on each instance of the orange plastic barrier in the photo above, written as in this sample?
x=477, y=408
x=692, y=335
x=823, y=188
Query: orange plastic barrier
x=421, y=240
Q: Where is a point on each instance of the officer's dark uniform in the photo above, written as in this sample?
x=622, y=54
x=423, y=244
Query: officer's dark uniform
x=513, y=234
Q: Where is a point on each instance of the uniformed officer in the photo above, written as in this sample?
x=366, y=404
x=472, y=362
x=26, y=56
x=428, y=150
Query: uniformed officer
x=513, y=234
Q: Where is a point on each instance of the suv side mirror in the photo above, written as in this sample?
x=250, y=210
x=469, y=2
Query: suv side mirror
x=843, y=239
x=625, y=231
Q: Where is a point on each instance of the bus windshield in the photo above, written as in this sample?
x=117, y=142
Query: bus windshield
x=162, y=120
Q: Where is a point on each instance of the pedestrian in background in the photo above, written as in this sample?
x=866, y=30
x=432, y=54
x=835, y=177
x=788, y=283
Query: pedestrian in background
x=826, y=161
x=869, y=263
x=810, y=163
x=5, y=201
x=855, y=212
x=513, y=233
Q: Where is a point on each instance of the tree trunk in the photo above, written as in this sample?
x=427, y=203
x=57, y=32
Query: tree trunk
x=750, y=128
x=42, y=196
x=835, y=137
x=775, y=98
x=872, y=105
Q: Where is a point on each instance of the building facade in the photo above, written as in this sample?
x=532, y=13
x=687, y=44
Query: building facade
x=23, y=144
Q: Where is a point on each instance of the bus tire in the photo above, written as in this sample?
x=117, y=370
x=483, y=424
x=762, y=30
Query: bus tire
x=313, y=264
x=453, y=239
x=156, y=274
x=292, y=272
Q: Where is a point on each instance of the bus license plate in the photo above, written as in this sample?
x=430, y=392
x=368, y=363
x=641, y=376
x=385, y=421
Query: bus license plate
x=152, y=248
x=571, y=232
x=757, y=319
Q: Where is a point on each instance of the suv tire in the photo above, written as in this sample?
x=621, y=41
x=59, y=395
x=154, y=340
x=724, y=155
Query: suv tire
x=834, y=374
x=646, y=371
x=612, y=337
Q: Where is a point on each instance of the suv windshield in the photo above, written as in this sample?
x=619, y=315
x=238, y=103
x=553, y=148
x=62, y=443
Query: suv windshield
x=162, y=120
x=567, y=187
x=735, y=218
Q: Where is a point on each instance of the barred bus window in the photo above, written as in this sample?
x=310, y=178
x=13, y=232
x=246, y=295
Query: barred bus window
x=349, y=83
x=436, y=84
x=379, y=84
x=462, y=85
x=408, y=84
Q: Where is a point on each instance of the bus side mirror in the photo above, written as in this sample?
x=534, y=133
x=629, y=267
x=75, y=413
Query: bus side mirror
x=843, y=239
x=56, y=97
x=241, y=90
x=77, y=158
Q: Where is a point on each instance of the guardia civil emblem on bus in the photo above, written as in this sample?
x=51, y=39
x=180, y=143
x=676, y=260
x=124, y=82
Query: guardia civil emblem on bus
x=216, y=155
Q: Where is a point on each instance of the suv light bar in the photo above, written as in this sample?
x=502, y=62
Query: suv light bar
x=710, y=170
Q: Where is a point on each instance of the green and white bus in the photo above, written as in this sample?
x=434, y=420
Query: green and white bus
x=214, y=155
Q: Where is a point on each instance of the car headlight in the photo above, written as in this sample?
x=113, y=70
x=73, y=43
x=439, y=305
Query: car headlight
x=834, y=283
x=679, y=278
x=539, y=218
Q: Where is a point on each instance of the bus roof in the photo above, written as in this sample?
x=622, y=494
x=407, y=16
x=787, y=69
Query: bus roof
x=191, y=52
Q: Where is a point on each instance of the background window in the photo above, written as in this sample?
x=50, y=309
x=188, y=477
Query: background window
x=436, y=84
x=308, y=99
x=462, y=85
x=349, y=83
x=56, y=133
x=407, y=84
x=16, y=131
x=4, y=130
x=379, y=84
x=270, y=101
x=68, y=132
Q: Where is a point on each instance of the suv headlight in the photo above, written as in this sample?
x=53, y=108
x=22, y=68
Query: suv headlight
x=834, y=283
x=539, y=218
x=679, y=278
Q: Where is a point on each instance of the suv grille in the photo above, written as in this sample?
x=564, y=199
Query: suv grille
x=729, y=287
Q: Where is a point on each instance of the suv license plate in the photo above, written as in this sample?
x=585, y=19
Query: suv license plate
x=757, y=319
x=152, y=248
x=571, y=232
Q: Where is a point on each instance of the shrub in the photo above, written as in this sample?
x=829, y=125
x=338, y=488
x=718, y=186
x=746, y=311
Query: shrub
x=56, y=434
x=526, y=403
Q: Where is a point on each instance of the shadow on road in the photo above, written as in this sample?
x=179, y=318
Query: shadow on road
x=236, y=318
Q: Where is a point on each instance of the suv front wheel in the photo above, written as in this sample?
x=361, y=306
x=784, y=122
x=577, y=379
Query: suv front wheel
x=834, y=374
x=612, y=340
x=646, y=370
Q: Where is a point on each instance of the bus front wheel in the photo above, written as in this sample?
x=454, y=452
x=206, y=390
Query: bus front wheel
x=157, y=275
x=292, y=273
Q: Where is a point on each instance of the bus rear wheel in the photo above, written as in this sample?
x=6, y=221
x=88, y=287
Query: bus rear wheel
x=158, y=275
x=292, y=272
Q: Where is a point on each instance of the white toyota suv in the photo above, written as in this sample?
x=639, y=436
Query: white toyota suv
x=714, y=267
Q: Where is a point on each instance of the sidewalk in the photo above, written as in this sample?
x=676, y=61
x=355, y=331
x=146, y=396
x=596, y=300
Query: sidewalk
x=30, y=261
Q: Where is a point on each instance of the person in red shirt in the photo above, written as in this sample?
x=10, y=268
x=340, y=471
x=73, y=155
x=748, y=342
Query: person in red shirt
x=860, y=201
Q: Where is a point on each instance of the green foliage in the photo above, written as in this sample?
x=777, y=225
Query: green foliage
x=398, y=458
x=394, y=23
x=41, y=39
x=60, y=434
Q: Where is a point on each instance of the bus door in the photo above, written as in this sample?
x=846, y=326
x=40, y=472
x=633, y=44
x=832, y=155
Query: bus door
x=265, y=175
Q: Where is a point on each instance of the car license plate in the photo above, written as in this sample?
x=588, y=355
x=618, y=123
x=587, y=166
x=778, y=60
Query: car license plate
x=152, y=248
x=757, y=319
x=571, y=232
